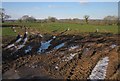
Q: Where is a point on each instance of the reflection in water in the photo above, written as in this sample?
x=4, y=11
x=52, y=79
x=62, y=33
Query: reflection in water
x=44, y=45
x=73, y=47
x=113, y=45
x=70, y=57
x=99, y=72
x=29, y=48
x=59, y=46
x=17, y=41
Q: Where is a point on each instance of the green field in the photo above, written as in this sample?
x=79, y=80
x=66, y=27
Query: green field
x=74, y=28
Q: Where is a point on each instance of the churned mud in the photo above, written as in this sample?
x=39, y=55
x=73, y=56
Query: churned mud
x=84, y=56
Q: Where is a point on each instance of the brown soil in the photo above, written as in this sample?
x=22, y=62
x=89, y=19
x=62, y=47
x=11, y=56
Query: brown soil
x=51, y=64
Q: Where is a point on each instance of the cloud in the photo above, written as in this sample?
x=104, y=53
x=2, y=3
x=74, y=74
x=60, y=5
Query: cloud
x=50, y=6
x=56, y=6
x=83, y=1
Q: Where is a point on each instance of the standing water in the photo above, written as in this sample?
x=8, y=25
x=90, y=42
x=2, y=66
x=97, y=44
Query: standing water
x=99, y=72
x=44, y=45
x=59, y=46
x=29, y=48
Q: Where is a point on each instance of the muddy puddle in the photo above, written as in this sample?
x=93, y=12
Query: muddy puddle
x=62, y=57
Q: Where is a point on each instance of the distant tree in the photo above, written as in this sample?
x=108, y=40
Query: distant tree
x=86, y=18
x=24, y=17
x=27, y=18
x=76, y=20
x=19, y=20
x=52, y=19
x=111, y=20
x=3, y=15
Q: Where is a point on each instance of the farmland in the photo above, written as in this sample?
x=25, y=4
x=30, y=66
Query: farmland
x=49, y=27
x=60, y=41
x=71, y=54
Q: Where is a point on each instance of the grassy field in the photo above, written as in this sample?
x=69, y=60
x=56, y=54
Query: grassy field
x=8, y=31
x=49, y=27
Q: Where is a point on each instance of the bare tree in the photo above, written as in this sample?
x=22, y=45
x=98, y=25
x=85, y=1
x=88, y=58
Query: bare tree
x=86, y=18
x=3, y=15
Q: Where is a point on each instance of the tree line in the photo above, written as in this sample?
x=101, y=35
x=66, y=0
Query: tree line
x=109, y=20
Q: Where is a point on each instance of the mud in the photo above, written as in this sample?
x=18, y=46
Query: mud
x=66, y=57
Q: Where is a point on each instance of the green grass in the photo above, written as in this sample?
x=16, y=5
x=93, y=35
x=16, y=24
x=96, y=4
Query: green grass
x=74, y=28
x=6, y=31
x=0, y=31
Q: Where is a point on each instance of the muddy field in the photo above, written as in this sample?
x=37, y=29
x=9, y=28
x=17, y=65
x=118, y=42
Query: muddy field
x=62, y=57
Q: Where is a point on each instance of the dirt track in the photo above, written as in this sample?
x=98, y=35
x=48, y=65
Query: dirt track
x=75, y=60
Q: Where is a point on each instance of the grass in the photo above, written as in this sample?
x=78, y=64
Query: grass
x=7, y=31
x=74, y=28
x=0, y=31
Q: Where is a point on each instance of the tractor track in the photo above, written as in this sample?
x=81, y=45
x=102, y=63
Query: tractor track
x=76, y=63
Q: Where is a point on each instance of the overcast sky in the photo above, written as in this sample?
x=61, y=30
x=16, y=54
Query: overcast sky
x=96, y=10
